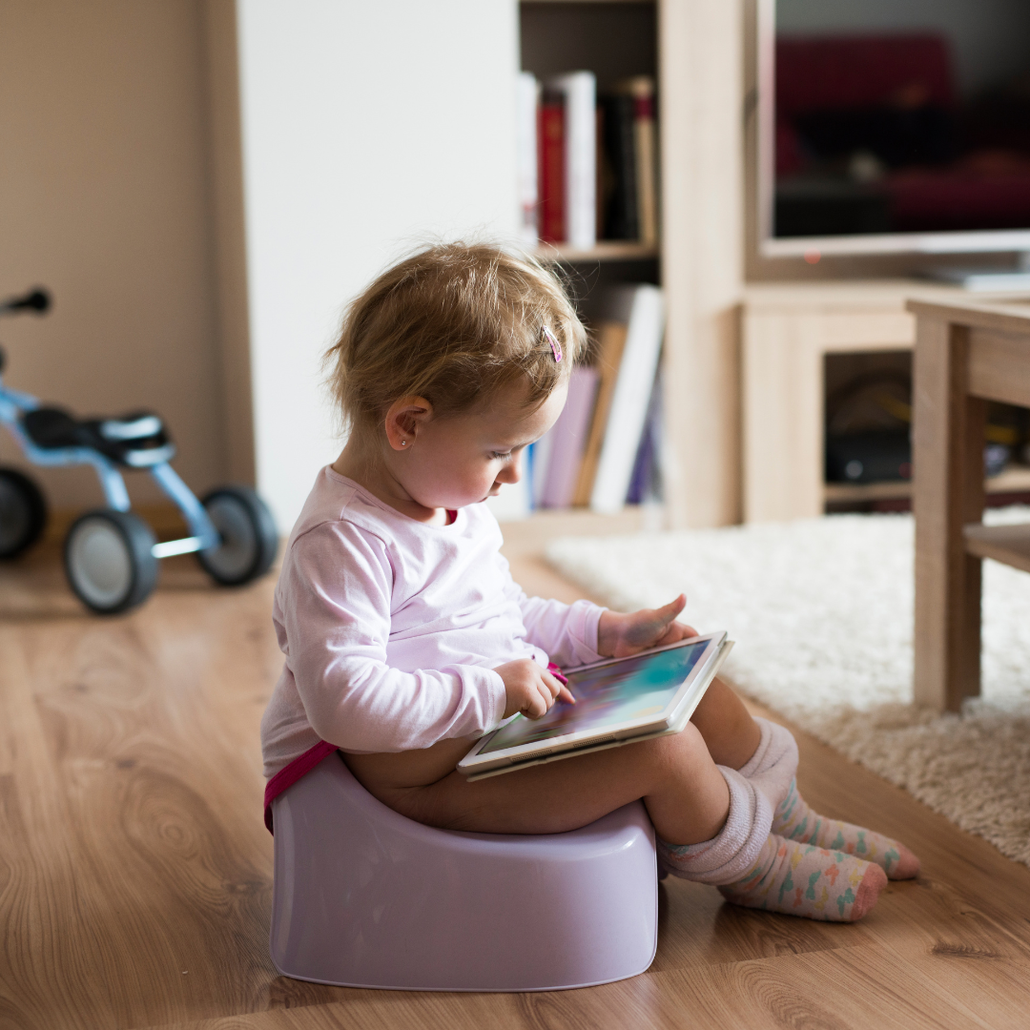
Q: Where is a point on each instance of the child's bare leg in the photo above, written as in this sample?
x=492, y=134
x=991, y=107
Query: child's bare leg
x=726, y=725
x=718, y=819
x=685, y=793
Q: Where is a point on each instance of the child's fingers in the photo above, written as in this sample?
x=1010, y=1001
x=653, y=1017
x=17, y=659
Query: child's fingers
x=544, y=690
x=668, y=612
x=554, y=685
x=560, y=690
x=537, y=704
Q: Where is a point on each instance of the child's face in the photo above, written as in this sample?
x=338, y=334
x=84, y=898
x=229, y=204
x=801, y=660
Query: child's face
x=467, y=458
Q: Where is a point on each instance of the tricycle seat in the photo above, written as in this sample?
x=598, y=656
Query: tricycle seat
x=135, y=440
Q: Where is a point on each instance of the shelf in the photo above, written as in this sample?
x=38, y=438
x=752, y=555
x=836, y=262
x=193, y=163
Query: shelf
x=604, y=250
x=586, y=1
x=1007, y=544
x=1011, y=481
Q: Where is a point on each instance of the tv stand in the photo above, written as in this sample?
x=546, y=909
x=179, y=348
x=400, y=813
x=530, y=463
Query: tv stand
x=986, y=280
x=787, y=330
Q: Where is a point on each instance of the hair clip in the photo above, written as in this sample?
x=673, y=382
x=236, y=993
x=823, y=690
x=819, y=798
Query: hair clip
x=555, y=345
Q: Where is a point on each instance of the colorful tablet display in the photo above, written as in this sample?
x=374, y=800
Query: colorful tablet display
x=612, y=695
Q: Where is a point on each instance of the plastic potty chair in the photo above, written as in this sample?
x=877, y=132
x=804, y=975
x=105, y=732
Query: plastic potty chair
x=364, y=897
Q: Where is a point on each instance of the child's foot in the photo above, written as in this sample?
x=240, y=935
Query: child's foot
x=804, y=880
x=794, y=820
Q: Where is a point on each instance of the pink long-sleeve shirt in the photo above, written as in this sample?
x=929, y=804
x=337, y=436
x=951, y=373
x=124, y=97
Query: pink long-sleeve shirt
x=392, y=628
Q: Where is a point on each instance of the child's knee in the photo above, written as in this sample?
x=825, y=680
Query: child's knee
x=680, y=752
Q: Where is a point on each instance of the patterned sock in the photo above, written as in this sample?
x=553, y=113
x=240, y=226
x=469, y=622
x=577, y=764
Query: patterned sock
x=755, y=868
x=733, y=851
x=775, y=761
x=803, y=880
x=794, y=820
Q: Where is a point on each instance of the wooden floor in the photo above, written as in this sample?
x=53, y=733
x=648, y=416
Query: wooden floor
x=135, y=872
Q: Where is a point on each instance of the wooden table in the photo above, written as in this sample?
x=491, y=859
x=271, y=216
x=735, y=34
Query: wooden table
x=965, y=355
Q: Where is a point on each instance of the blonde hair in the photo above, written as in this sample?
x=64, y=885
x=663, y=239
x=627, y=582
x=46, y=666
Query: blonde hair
x=453, y=323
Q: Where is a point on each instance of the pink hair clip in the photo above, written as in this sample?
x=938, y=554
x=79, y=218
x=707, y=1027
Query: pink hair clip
x=555, y=345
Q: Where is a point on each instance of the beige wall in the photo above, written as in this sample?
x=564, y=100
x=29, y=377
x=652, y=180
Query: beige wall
x=106, y=198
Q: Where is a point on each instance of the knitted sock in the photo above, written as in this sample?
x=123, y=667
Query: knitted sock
x=773, y=765
x=758, y=870
x=803, y=880
x=733, y=851
x=794, y=820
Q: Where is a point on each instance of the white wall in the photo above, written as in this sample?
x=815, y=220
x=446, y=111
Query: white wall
x=366, y=127
x=990, y=38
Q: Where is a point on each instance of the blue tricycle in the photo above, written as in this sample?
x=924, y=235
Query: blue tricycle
x=111, y=554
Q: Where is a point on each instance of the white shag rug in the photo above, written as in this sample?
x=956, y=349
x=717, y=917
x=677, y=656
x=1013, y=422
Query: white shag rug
x=821, y=612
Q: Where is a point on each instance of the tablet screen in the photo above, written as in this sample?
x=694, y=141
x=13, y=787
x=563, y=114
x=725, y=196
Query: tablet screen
x=611, y=695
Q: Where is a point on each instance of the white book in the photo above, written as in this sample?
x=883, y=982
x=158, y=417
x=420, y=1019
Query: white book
x=527, y=114
x=580, y=92
x=642, y=308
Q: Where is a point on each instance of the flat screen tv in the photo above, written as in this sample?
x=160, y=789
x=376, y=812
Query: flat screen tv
x=893, y=126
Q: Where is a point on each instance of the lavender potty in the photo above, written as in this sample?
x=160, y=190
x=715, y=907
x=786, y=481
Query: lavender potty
x=364, y=897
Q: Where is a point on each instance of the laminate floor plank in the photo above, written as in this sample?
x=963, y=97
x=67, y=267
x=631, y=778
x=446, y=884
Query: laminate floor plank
x=135, y=871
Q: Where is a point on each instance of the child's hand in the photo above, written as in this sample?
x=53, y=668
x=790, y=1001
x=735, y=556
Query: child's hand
x=620, y=635
x=530, y=689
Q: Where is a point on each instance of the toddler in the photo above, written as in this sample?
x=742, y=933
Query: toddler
x=406, y=638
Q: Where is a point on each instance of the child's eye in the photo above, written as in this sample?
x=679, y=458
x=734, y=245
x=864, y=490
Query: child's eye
x=499, y=455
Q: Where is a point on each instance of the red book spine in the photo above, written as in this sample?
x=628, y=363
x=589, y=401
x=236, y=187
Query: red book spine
x=552, y=171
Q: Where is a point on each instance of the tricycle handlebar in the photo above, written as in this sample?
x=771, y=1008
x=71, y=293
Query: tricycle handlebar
x=37, y=300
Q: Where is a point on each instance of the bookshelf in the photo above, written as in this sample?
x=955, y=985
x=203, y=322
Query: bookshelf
x=694, y=50
x=1014, y=480
x=602, y=251
x=596, y=142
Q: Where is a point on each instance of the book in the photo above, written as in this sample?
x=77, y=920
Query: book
x=567, y=439
x=551, y=157
x=645, y=483
x=620, y=220
x=528, y=117
x=610, y=341
x=578, y=92
x=643, y=308
x=631, y=131
x=641, y=89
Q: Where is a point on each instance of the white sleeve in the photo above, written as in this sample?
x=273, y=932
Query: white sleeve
x=334, y=598
x=567, y=632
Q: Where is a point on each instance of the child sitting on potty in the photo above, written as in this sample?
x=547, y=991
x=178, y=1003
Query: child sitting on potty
x=406, y=638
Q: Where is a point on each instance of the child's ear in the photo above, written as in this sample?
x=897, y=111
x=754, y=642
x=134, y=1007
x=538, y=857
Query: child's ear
x=406, y=416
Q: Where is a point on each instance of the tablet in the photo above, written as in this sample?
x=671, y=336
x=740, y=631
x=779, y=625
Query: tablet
x=618, y=701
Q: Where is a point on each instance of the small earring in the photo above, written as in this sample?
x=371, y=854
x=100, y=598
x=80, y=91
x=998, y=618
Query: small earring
x=404, y=443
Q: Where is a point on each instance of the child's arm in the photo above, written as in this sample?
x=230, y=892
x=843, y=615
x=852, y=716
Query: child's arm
x=334, y=604
x=567, y=633
x=584, y=632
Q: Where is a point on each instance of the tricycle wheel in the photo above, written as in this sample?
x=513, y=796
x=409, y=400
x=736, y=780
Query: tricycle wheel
x=22, y=512
x=109, y=560
x=249, y=539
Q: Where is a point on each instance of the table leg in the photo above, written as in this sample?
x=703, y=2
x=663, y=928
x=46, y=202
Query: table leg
x=948, y=493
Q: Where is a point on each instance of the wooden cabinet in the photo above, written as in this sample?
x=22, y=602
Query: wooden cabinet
x=787, y=330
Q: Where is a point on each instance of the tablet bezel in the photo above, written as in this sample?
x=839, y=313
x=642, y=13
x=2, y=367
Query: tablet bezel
x=513, y=757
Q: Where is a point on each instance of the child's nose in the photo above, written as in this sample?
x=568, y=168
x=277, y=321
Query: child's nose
x=512, y=472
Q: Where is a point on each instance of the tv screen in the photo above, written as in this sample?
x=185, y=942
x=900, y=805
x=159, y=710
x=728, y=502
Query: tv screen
x=895, y=125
